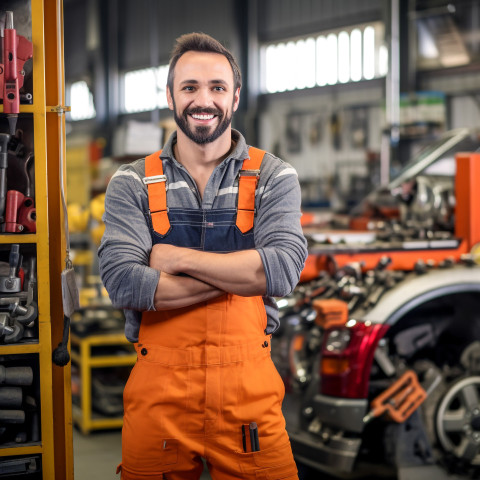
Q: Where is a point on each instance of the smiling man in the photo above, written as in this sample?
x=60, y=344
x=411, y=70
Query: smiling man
x=199, y=237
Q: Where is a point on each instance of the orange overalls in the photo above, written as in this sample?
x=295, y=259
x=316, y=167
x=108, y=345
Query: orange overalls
x=204, y=371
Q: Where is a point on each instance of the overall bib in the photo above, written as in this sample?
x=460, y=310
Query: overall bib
x=204, y=371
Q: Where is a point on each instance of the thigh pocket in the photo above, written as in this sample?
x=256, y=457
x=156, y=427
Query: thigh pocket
x=152, y=464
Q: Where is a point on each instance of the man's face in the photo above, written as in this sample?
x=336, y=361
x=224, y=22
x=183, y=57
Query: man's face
x=203, y=98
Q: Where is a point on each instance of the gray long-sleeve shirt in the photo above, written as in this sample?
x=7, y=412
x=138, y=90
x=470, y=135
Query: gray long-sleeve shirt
x=125, y=247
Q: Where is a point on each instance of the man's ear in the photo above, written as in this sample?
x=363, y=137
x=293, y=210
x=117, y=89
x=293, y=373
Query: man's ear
x=236, y=99
x=169, y=99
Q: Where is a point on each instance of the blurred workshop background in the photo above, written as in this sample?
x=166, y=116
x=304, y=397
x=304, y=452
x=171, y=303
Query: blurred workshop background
x=376, y=104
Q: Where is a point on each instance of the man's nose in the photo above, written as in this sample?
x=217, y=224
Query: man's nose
x=203, y=98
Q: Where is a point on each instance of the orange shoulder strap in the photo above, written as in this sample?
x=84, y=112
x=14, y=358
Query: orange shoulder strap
x=247, y=184
x=157, y=192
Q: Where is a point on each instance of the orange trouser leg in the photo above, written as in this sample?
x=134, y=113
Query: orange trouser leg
x=154, y=444
x=259, y=395
x=174, y=415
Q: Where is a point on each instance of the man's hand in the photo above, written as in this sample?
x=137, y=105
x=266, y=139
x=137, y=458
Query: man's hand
x=165, y=258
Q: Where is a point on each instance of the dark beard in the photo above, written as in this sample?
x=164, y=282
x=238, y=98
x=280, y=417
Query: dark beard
x=201, y=134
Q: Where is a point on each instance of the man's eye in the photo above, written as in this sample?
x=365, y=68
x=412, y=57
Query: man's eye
x=188, y=89
x=219, y=89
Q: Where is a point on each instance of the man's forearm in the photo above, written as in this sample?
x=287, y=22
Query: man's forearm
x=175, y=291
x=240, y=273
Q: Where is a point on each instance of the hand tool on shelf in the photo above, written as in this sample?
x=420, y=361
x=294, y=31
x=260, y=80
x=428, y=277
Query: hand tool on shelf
x=12, y=283
x=11, y=331
x=4, y=139
x=18, y=312
x=16, y=51
x=24, y=52
x=11, y=397
x=15, y=322
x=24, y=314
x=25, y=311
x=19, y=466
x=16, y=375
x=5, y=326
x=8, y=417
x=20, y=212
x=11, y=101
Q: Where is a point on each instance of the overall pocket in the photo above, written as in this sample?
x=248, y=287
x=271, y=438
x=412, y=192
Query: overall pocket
x=271, y=464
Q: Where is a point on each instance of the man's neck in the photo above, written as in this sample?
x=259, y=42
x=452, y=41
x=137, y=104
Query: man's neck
x=196, y=157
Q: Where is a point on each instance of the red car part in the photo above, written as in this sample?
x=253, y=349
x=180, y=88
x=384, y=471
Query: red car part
x=347, y=357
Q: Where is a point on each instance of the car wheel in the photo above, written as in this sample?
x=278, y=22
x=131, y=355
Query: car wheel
x=457, y=421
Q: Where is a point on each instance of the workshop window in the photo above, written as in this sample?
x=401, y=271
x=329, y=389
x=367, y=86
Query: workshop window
x=347, y=55
x=145, y=90
x=81, y=102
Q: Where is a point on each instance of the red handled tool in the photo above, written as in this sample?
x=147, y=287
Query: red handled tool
x=16, y=51
x=4, y=139
x=11, y=102
x=20, y=213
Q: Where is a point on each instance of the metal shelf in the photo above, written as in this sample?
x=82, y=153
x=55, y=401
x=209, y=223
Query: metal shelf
x=30, y=449
x=7, y=238
x=19, y=348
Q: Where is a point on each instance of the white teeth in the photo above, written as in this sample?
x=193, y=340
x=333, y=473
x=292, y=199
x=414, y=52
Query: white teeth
x=202, y=117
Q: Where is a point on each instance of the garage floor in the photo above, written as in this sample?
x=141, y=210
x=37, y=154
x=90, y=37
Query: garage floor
x=96, y=456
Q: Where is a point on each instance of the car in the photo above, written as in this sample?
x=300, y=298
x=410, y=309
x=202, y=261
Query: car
x=380, y=349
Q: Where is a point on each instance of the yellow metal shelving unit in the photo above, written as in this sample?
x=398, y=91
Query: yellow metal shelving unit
x=83, y=357
x=46, y=112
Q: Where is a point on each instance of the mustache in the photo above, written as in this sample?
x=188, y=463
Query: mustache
x=205, y=111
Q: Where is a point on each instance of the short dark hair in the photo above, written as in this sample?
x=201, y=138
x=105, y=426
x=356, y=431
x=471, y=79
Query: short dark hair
x=201, y=42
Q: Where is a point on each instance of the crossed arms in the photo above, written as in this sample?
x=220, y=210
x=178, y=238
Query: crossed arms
x=209, y=275
x=139, y=277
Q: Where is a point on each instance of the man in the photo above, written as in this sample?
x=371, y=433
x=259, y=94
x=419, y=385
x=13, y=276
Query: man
x=198, y=237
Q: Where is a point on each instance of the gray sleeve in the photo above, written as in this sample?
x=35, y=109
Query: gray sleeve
x=125, y=247
x=278, y=234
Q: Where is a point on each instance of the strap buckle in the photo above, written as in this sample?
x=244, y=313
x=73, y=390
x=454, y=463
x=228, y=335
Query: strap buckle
x=249, y=173
x=154, y=179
